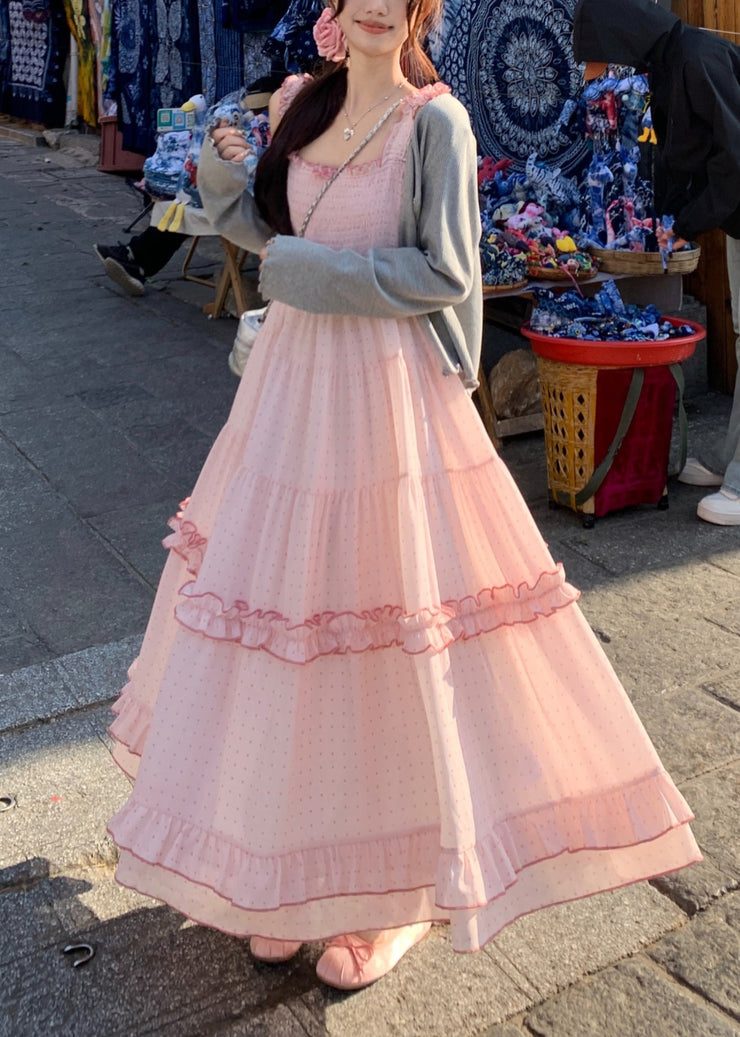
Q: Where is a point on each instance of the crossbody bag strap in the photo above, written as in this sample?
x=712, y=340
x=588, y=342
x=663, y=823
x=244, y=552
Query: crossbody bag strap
x=340, y=169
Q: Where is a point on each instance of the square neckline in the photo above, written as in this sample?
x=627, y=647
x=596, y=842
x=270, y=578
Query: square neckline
x=409, y=105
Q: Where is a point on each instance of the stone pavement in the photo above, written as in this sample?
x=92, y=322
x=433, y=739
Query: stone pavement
x=108, y=406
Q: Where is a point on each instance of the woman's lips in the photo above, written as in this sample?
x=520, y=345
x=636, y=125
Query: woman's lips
x=373, y=28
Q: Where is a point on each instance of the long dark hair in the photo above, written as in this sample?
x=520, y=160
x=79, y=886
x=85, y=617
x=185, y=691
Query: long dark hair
x=318, y=104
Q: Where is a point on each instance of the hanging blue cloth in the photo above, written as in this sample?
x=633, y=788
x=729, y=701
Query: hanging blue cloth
x=155, y=63
x=291, y=44
x=252, y=15
x=34, y=43
x=511, y=64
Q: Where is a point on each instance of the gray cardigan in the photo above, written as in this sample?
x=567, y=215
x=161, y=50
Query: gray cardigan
x=433, y=274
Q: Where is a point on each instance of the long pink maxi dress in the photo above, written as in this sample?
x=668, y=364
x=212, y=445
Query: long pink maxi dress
x=366, y=695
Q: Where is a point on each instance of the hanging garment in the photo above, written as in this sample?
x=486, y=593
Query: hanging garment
x=100, y=27
x=78, y=20
x=34, y=44
x=252, y=15
x=155, y=63
x=291, y=44
x=511, y=64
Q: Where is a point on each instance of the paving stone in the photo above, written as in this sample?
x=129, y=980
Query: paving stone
x=136, y=533
x=632, y=999
x=67, y=788
x=505, y=1030
x=18, y=652
x=692, y=732
x=34, y=693
x=649, y=631
x=276, y=1022
x=432, y=992
x=151, y=973
x=73, y=591
x=705, y=955
x=98, y=674
x=725, y=690
x=27, y=919
x=725, y=615
x=696, y=887
x=714, y=797
x=555, y=947
x=82, y=459
x=92, y=898
x=648, y=540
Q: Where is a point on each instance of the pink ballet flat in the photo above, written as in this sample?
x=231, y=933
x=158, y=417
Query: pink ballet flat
x=349, y=962
x=273, y=951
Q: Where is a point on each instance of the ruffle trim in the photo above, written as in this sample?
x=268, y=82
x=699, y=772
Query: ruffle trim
x=409, y=103
x=132, y=723
x=329, y=633
x=464, y=879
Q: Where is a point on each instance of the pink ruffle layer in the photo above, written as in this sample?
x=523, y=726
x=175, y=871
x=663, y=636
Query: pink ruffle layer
x=464, y=879
x=328, y=633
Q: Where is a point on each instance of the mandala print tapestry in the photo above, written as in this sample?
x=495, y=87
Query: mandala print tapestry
x=34, y=43
x=511, y=64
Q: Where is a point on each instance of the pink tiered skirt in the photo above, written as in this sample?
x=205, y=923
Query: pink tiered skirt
x=366, y=695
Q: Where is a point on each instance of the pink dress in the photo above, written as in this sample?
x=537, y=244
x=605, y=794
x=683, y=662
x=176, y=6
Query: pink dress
x=366, y=695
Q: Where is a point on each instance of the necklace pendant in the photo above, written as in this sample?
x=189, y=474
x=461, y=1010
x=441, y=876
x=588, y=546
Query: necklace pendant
x=348, y=133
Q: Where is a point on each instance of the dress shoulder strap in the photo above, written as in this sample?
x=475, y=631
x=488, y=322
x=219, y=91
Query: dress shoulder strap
x=290, y=89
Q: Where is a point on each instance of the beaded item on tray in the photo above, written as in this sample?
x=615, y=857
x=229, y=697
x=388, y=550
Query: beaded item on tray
x=604, y=317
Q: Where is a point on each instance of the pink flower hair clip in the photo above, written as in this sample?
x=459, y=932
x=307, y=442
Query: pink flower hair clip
x=331, y=42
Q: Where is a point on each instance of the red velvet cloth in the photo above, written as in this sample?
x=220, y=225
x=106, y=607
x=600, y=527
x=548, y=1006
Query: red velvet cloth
x=640, y=469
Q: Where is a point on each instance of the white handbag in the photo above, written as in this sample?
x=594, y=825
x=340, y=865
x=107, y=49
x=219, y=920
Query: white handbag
x=250, y=323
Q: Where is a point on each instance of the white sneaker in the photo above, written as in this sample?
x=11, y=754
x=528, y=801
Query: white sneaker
x=695, y=474
x=723, y=508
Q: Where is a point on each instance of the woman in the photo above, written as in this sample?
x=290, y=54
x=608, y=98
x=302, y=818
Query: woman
x=366, y=699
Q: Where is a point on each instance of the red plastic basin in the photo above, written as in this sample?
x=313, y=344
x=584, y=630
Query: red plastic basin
x=617, y=354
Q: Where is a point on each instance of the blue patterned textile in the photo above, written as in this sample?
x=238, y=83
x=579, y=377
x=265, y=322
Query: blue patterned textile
x=155, y=63
x=229, y=61
x=252, y=15
x=511, y=64
x=291, y=44
x=207, y=39
x=33, y=51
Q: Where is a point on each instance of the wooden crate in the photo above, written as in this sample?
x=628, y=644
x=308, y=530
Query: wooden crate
x=113, y=157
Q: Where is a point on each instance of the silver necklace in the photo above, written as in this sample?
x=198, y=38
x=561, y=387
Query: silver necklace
x=349, y=130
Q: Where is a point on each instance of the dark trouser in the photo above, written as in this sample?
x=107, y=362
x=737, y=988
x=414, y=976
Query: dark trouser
x=153, y=249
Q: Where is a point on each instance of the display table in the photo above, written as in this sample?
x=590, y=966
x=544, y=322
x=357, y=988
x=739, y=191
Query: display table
x=196, y=225
x=608, y=416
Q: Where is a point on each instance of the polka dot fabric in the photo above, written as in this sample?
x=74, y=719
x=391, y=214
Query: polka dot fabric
x=366, y=695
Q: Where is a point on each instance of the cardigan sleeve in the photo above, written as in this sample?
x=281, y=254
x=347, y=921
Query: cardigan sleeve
x=228, y=205
x=439, y=271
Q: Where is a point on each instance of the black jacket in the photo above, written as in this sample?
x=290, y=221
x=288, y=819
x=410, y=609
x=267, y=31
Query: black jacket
x=694, y=80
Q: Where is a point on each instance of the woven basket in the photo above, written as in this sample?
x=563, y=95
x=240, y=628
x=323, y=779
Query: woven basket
x=569, y=411
x=496, y=289
x=622, y=261
x=544, y=273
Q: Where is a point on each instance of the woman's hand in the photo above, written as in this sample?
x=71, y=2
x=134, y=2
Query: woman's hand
x=229, y=143
x=263, y=252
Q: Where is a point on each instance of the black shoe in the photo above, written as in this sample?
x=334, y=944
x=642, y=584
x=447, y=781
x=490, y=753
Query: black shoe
x=120, y=267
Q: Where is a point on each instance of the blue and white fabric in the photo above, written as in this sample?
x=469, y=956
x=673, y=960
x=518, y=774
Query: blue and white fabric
x=511, y=64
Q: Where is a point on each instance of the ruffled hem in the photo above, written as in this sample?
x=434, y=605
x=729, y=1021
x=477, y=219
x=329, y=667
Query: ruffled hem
x=465, y=879
x=328, y=633
x=133, y=720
